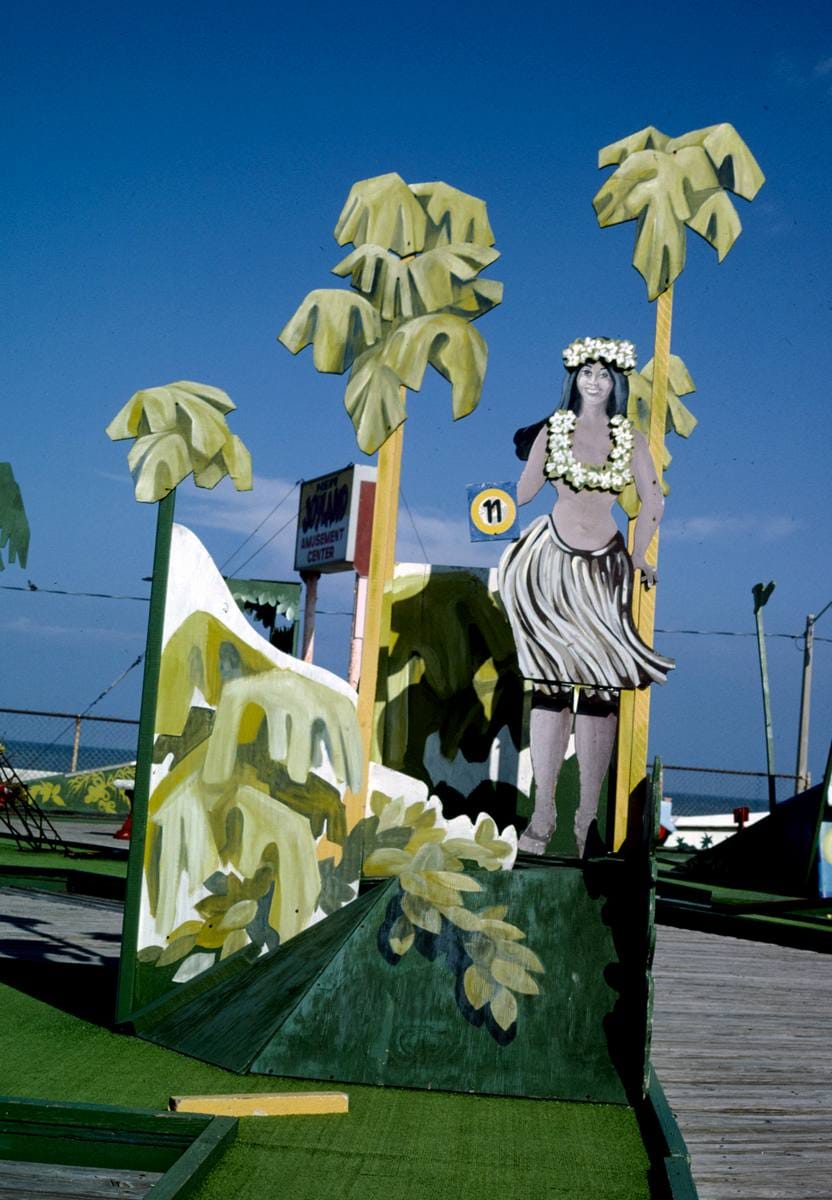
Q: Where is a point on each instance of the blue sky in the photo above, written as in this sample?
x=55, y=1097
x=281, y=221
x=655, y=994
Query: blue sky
x=173, y=176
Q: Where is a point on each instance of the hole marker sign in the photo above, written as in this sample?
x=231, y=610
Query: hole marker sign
x=492, y=512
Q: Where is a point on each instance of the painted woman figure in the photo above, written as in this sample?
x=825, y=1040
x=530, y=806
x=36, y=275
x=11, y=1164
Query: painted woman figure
x=567, y=583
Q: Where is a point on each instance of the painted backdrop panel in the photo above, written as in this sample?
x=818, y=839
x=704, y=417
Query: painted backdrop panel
x=252, y=750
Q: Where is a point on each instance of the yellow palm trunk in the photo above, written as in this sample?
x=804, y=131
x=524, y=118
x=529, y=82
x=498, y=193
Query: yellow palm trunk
x=634, y=713
x=382, y=560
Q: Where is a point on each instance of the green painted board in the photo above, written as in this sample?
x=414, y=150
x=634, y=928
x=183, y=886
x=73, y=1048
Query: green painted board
x=226, y=1017
x=408, y=1024
x=333, y=1005
x=776, y=854
x=181, y=1147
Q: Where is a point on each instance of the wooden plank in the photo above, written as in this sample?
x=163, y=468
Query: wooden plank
x=740, y=1042
x=52, y=1181
x=264, y=1104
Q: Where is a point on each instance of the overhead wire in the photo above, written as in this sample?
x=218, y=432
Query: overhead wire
x=413, y=523
x=268, y=542
x=258, y=527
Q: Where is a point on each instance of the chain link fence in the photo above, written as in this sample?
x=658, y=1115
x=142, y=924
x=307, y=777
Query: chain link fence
x=49, y=743
x=710, y=791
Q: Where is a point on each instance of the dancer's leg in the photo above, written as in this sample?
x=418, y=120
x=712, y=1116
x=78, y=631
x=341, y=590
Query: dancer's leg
x=595, y=725
x=550, y=726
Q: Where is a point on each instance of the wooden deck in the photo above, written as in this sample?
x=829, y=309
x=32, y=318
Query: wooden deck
x=741, y=1045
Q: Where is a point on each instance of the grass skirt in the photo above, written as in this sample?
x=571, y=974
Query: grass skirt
x=570, y=614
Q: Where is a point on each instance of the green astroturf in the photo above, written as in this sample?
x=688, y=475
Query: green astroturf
x=38, y=860
x=393, y=1143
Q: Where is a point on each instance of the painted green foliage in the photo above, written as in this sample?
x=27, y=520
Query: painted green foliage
x=178, y=429
x=667, y=184
x=679, y=420
x=416, y=278
x=243, y=743
x=14, y=527
x=450, y=670
x=88, y=791
x=432, y=859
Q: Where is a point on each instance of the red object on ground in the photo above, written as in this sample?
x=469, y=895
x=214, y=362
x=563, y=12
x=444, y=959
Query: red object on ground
x=123, y=834
x=741, y=816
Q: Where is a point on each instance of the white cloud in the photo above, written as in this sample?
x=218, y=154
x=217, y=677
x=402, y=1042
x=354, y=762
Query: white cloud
x=709, y=528
x=28, y=627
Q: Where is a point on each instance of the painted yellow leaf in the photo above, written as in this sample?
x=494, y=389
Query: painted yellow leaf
x=494, y=912
x=435, y=276
x=648, y=138
x=422, y=837
x=427, y=889
x=504, y=1008
x=422, y=914
x=473, y=300
x=666, y=183
x=373, y=399
x=392, y=815
x=180, y=428
x=455, y=216
x=302, y=718
x=485, y=832
x=401, y=935
x=513, y=976
x=479, y=987
x=176, y=950
x=186, y=929
x=454, y=879
x=238, y=939
x=383, y=211
x=383, y=277
x=480, y=948
x=517, y=952
x=462, y=917
x=339, y=325
x=430, y=858
x=448, y=343
x=737, y=168
x=503, y=929
x=387, y=861
x=158, y=462
x=239, y=914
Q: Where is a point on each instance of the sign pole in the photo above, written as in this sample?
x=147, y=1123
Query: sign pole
x=310, y=579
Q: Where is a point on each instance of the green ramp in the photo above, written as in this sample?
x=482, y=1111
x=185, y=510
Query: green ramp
x=336, y=1004
x=777, y=854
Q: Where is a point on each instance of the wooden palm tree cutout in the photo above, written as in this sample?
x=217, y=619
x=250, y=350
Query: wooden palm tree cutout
x=667, y=185
x=419, y=250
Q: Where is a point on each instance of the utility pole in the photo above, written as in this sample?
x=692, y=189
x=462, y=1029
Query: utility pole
x=761, y=593
x=801, y=767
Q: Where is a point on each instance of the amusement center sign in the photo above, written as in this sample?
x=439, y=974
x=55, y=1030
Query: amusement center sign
x=335, y=520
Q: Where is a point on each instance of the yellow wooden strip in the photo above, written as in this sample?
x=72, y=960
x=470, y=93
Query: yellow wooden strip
x=264, y=1104
x=382, y=550
x=634, y=710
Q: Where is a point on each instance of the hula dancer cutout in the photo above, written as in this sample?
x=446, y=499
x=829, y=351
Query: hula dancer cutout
x=567, y=583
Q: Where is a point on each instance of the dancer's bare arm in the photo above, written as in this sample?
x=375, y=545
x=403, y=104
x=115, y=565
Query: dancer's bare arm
x=533, y=479
x=646, y=479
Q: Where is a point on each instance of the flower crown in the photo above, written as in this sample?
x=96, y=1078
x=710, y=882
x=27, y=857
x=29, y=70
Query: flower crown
x=615, y=351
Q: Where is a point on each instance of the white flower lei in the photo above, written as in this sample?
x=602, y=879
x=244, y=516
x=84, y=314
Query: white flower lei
x=610, y=476
x=617, y=351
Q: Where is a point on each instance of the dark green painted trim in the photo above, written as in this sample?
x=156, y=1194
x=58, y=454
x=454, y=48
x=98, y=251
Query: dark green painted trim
x=147, y=722
x=663, y=1139
x=70, y=883
x=183, y=1146
x=187, y=1172
x=753, y=927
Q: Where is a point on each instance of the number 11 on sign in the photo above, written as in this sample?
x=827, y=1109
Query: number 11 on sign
x=492, y=512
